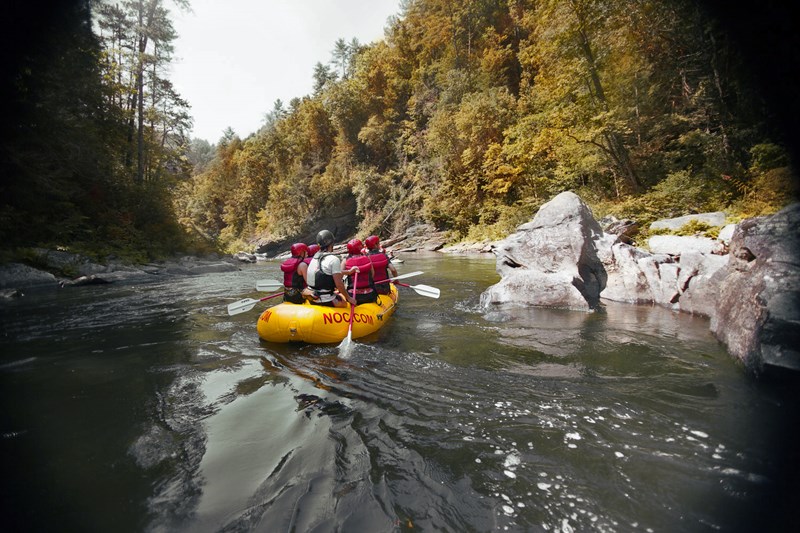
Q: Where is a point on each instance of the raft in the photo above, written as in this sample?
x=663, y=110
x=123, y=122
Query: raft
x=316, y=324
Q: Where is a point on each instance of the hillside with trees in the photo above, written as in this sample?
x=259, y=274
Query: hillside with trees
x=466, y=116
x=95, y=135
x=470, y=115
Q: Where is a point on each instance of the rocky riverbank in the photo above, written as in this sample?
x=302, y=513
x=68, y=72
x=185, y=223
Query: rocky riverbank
x=57, y=269
x=747, y=281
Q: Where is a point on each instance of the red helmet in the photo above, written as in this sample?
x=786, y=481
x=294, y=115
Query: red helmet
x=372, y=242
x=313, y=249
x=298, y=249
x=354, y=247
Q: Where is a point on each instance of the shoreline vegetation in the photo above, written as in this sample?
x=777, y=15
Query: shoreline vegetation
x=465, y=119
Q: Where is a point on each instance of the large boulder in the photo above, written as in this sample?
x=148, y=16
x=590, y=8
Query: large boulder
x=698, y=282
x=19, y=276
x=552, y=260
x=626, y=282
x=758, y=303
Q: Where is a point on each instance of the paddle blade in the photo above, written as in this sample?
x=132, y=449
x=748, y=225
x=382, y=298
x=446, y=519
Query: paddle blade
x=346, y=346
x=241, y=306
x=404, y=276
x=426, y=290
x=268, y=285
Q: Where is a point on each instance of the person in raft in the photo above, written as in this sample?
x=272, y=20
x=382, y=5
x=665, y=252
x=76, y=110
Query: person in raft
x=381, y=264
x=365, y=289
x=325, y=274
x=312, y=250
x=294, y=274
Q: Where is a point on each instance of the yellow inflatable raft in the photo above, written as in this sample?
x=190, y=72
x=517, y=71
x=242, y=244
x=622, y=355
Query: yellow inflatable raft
x=316, y=324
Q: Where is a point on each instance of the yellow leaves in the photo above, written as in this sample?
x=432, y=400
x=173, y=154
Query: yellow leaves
x=500, y=175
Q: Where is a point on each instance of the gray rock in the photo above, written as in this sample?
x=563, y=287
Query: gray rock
x=757, y=311
x=93, y=279
x=19, y=276
x=625, y=230
x=7, y=294
x=104, y=278
x=698, y=282
x=68, y=263
x=726, y=233
x=712, y=219
x=626, y=281
x=677, y=244
x=536, y=288
x=245, y=257
x=752, y=295
x=482, y=247
x=551, y=260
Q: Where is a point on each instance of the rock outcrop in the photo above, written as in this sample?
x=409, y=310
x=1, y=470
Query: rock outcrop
x=17, y=276
x=562, y=258
x=552, y=260
x=758, y=303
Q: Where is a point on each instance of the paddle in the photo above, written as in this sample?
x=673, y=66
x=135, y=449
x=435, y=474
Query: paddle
x=403, y=276
x=424, y=290
x=268, y=285
x=247, y=304
x=345, y=346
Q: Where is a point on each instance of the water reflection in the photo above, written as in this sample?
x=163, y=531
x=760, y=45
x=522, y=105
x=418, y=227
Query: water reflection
x=449, y=418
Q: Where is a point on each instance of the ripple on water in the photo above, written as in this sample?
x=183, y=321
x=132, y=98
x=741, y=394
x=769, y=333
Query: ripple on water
x=448, y=419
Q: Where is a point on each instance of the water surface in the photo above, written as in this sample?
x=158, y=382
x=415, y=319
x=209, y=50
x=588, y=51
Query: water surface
x=147, y=407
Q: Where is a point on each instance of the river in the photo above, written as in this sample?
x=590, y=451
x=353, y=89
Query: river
x=147, y=408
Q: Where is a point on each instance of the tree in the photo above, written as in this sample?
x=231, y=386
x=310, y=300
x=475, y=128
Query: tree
x=323, y=75
x=277, y=114
x=138, y=37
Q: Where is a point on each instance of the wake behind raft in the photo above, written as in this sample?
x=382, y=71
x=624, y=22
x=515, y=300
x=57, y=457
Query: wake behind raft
x=316, y=324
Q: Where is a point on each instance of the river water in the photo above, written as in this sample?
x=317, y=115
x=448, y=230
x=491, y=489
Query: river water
x=148, y=408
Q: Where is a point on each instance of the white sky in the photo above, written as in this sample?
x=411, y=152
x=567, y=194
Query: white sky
x=234, y=58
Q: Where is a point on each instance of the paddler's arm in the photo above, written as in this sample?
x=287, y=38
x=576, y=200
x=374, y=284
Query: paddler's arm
x=337, y=280
x=303, y=271
x=350, y=271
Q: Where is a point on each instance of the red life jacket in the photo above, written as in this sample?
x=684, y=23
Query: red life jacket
x=292, y=279
x=381, y=264
x=364, y=264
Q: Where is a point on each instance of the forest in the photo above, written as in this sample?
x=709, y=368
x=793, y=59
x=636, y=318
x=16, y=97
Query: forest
x=467, y=116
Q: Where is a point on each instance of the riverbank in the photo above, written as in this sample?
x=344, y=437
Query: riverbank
x=56, y=269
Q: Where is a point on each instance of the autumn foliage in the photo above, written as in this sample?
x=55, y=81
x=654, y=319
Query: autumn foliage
x=467, y=115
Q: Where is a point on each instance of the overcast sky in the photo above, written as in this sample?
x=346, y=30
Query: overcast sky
x=234, y=58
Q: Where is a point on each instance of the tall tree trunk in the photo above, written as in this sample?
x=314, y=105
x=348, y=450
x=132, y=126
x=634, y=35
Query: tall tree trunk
x=720, y=93
x=144, y=25
x=614, y=141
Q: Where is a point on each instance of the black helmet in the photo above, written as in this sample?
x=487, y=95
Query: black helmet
x=325, y=238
